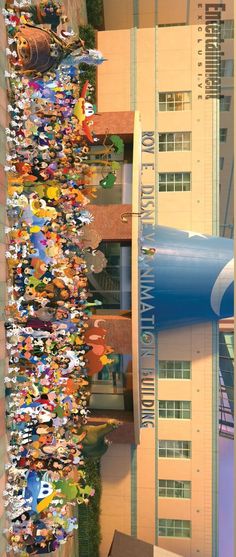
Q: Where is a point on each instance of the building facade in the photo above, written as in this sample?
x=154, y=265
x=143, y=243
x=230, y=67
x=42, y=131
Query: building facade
x=163, y=490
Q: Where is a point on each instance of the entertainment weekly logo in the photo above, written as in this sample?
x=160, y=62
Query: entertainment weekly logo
x=209, y=49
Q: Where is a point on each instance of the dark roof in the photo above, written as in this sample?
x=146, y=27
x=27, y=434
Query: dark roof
x=127, y=546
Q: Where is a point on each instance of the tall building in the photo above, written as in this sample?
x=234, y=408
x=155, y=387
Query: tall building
x=161, y=486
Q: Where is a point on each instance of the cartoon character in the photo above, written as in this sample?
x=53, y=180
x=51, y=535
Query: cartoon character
x=39, y=492
x=96, y=358
x=84, y=112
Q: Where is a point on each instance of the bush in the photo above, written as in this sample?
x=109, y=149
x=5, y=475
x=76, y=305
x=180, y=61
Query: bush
x=87, y=34
x=95, y=13
x=89, y=516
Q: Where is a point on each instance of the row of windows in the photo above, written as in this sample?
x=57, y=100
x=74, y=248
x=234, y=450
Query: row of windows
x=174, y=528
x=174, y=409
x=178, y=101
x=174, y=449
x=226, y=28
x=174, y=489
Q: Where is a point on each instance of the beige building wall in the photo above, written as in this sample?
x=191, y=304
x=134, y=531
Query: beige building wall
x=128, y=14
x=166, y=61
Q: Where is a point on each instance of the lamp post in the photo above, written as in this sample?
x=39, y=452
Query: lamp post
x=123, y=216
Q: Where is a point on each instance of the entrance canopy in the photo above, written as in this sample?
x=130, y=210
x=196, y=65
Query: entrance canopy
x=127, y=546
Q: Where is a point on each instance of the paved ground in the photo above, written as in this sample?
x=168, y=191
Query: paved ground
x=77, y=13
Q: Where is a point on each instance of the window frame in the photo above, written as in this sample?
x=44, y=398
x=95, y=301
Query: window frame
x=222, y=161
x=163, y=105
x=174, y=528
x=223, y=136
x=171, y=138
x=178, y=367
x=227, y=29
x=174, y=449
x=182, y=185
x=174, y=489
x=174, y=409
x=227, y=64
x=226, y=102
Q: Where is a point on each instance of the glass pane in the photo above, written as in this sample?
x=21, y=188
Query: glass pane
x=162, y=531
x=186, y=364
x=162, y=492
x=162, y=187
x=178, y=187
x=170, y=106
x=169, y=492
x=185, y=444
x=178, y=146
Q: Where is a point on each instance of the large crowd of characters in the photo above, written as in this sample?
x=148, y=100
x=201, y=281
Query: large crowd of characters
x=49, y=189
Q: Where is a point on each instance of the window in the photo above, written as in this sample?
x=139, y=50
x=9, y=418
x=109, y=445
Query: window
x=175, y=141
x=223, y=135
x=174, y=369
x=175, y=181
x=222, y=160
x=175, y=101
x=174, y=488
x=175, y=409
x=225, y=103
x=227, y=68
x=174, y=528
x=111, y=387
x=112, y=286
x=227, y=29
x=174, y=449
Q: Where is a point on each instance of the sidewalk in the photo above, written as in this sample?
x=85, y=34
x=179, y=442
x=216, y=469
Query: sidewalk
x=77, y=13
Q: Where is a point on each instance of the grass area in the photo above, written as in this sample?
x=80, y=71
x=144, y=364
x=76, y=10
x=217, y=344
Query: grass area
x=89, y=516
x=95, y=14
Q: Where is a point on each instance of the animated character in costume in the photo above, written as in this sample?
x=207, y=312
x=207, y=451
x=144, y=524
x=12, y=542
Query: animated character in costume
x=40, y=50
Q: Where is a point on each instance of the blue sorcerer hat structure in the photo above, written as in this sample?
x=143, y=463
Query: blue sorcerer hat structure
x=186, y=277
